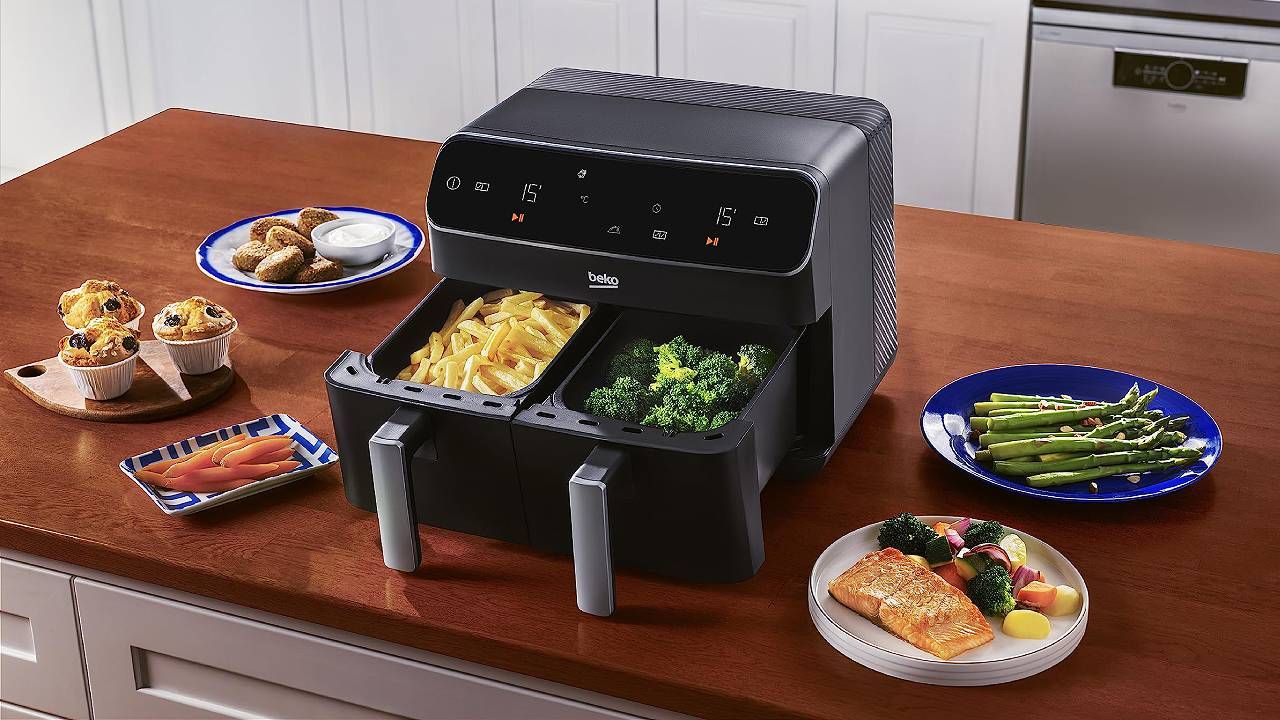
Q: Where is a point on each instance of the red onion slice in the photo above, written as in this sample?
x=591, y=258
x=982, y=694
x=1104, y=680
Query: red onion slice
x=995, y=552
x=961, y=526
x=1022, y=577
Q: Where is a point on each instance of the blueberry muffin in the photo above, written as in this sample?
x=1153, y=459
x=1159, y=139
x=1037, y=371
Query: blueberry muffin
x=192, y=319
x=279, y=238
x=97, y=298
x=309, y=218
x=248, y=255
x=318, y=269
x=103, y=341
x=258, y=230
x=280, y=265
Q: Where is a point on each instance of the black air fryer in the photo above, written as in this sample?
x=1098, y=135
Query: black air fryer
x=723, y=213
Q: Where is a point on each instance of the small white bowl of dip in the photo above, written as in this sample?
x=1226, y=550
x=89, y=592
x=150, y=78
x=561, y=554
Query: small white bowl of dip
x=354, y=241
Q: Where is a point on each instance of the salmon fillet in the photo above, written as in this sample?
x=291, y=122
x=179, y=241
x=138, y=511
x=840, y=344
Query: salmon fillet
x=912, y=603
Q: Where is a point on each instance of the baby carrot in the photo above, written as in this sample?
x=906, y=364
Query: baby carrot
x=161, y=465
x=194, y=461
x=249, y=453
x=274, y=457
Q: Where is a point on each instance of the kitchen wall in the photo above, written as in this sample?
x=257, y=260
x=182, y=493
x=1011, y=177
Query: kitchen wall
x=951, y=72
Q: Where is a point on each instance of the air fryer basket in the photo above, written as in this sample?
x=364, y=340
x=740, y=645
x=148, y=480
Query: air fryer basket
x=689, y=506
x=464, y=431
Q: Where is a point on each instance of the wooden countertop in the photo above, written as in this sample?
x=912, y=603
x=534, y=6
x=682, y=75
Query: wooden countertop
x=1184, y=587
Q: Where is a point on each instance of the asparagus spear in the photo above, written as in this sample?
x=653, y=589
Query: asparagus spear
x=1050, y=417
x=1053, y=479
x=1056, y=457
x=986, y=439
x=1046, y=445
x=1140, y=406
x=984, y=456
x=985, y=408
x=1165, y=439
x=1001, y=412
x=1023, y=469
x=1006, y=397
x=1111, y=429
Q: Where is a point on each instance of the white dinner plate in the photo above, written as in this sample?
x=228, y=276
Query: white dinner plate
x=214, y=254
x=1003, y=659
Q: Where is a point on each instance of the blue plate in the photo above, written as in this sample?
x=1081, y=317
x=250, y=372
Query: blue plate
x=945, y=424
x=214, y=254
x=309, y=450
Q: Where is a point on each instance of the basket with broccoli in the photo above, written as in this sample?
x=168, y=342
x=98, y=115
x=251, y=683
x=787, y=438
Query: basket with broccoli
x=679, y=386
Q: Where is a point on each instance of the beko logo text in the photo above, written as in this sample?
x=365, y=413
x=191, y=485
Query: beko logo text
x=602, y=281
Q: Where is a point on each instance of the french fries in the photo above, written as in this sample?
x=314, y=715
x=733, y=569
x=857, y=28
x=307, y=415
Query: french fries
x=497, y=343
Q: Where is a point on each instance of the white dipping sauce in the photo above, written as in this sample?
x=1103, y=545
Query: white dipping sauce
x=357, y=235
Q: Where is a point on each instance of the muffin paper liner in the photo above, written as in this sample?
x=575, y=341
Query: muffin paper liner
x=197, y=357
x=103, y=382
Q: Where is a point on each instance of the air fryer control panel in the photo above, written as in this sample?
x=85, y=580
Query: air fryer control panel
x=1194, y=74
x=718, y=214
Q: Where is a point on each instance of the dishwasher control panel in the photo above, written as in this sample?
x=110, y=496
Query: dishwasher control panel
x=1194, y=74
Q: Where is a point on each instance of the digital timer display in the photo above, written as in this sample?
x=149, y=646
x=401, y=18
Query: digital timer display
x=727, y=216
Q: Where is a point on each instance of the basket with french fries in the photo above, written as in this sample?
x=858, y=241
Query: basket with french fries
x=496, y=344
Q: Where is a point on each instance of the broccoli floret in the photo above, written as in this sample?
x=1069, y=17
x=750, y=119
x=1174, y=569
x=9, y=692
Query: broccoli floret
x=682, y=408
x=637, y=360
x=992, y=591
x=716, y=379
x=906, y=533
x=627, y=399
x=983, y=531
x=722, y=418
x=678, y=352
x=754, y=362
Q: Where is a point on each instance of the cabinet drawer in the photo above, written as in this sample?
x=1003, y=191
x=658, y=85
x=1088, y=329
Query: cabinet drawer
x=151, y=658
x=41, y=667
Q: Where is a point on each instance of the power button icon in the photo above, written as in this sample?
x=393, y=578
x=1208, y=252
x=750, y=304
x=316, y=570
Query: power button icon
x=453, y=183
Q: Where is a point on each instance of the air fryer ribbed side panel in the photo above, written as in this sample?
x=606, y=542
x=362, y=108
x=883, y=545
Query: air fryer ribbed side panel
x=884, y=293
x=868, y=115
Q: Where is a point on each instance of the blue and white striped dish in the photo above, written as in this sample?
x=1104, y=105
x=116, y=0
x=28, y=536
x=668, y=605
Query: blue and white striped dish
x=309, y=450
x=213, y=257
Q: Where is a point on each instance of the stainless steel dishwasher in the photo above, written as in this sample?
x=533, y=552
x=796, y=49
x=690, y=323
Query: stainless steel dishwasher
x=1151, y=117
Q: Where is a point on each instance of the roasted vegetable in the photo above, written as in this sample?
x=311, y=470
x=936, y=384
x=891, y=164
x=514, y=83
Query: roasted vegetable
x=627, y=399
x=992, y=590
x=906, y=533
x=983, y=531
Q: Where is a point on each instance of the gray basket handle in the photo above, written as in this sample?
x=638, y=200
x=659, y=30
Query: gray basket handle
x=589, y=519
x=390, y=451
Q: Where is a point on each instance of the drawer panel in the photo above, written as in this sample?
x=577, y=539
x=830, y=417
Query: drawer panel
x=14, y=712
x=152, y=658
x=40, y=665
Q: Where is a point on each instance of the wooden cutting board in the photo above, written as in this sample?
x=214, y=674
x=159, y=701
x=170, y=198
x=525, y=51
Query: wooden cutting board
x=158, y=391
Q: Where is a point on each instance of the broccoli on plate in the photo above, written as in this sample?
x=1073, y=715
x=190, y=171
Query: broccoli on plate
x=992, y=591
x=905, y=532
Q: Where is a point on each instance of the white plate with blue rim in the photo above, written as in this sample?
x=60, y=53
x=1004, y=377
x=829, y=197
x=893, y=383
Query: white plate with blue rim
x=213, y=257
x=308, y=449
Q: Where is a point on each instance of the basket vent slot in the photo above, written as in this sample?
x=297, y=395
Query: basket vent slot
x=451, y=396
x=411, y=388
x=542, y=414
x=584, y=421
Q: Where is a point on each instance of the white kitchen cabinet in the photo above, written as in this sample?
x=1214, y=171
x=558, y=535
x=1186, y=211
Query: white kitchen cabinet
x=40, y=666
x=951, y=74
x=51, y=96
x=279, y=60
x=775, y=43
x=534, y=36
x=418, y=69
x=154, y=658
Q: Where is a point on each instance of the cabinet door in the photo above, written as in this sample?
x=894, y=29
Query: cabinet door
x=776, y=43
x=51, y=98
x=40, y=665
x=951, y=74
x=279, y=60
x=151, y=658
x=418, y=69
x=534, y=36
